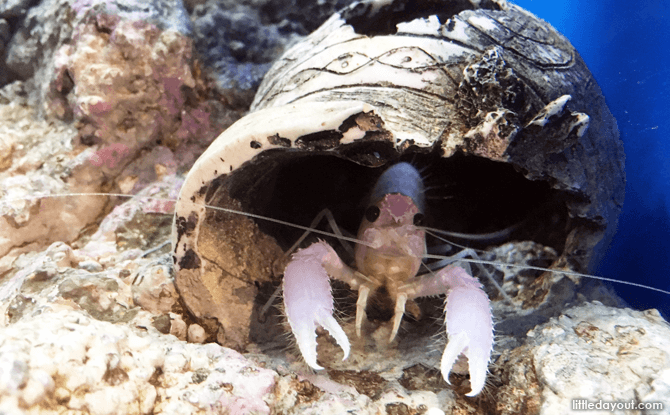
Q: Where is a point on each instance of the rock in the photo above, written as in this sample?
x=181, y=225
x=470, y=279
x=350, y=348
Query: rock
x=4, y=33
x=136, y=98
x=152, y=286
x=590, y=352
x=14, y=8
x=146, y=71
x=67, y=360
x=39, y=156
x=50, y=24
x=164, y=14
x=239, y=40
x=235, y=44
x=178, y=327
x=196, y=334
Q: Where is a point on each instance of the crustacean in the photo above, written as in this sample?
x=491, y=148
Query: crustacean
x=389, y=256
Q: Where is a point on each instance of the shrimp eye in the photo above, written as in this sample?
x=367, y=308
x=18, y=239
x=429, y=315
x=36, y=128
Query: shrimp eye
x=419, y=219
x=372, y=213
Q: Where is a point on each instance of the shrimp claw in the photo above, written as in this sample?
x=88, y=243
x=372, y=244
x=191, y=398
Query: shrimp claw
x=469, y=326
x=468, y=317
x=308, y=299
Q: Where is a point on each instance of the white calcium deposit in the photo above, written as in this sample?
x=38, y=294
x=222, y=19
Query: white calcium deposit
x=64, y=360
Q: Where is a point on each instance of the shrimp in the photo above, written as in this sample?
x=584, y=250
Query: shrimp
x=389, y=257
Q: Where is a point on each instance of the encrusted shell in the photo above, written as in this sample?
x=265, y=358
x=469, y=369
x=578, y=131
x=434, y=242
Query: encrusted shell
x=484, y=92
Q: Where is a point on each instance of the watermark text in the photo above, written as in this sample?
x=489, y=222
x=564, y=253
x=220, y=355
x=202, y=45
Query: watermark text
x=600, y=405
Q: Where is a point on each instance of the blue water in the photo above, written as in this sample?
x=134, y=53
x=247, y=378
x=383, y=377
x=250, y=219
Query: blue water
x=626, y=45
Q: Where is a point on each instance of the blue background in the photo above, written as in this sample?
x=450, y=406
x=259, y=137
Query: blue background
x=626, y=45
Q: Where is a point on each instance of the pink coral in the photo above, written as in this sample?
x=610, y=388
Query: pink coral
x=110, y=156
x=127, y=82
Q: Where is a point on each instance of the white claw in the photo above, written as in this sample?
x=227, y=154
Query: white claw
x=308, y=301
x=477, y=361
x=478, y=365
x=329, y=323
x=457, y=343
x=306, y=338
x=470, y=330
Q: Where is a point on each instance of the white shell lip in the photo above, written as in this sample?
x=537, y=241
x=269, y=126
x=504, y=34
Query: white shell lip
x=258, y=132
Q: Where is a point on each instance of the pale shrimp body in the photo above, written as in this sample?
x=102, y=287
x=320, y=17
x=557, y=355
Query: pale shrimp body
x=390, y=256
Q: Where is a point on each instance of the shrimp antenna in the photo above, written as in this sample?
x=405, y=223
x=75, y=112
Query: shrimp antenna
x=491, y=238
x=221, y=209
x=572, y=273
x=353, y=240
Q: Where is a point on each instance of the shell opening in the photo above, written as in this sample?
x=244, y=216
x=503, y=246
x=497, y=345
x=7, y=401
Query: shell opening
x=465, y=194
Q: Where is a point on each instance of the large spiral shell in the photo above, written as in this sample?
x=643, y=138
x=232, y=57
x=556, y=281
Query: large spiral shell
x=493, y=98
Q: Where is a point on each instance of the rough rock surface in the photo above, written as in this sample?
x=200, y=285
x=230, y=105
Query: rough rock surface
x=44, y=28
x=90, y=320
x=64, y=359
x=126, y=103
x=239, y=40
x=591, y=352
x=234, y=43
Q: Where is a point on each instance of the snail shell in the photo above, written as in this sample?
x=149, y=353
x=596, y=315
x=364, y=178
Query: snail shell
x=483, y=92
